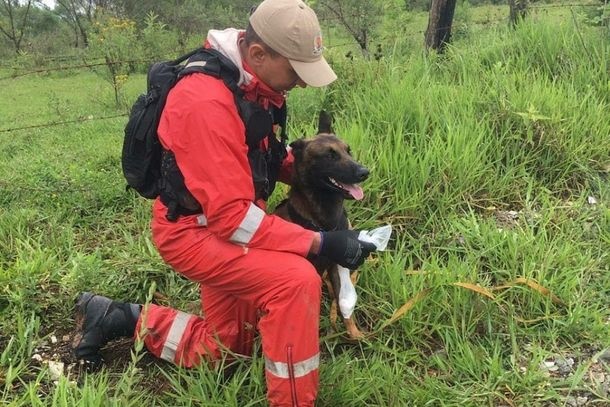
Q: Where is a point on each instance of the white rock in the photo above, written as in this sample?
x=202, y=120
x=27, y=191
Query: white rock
x=581, y=401
x=37, y=357
x=56, y=369
x=53, y=339
x=591, y=200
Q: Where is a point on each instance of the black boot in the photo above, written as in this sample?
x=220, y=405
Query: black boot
x=99, y=320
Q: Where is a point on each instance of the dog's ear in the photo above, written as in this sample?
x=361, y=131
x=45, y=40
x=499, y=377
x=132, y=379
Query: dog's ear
x=325, y=123
x=297, y=147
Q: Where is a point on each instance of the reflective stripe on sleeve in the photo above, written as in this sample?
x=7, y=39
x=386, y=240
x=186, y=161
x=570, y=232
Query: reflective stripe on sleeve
x=174, y=336
x=303, y=368
x=249, y=225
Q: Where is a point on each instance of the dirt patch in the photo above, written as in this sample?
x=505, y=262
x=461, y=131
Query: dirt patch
x=56, y=353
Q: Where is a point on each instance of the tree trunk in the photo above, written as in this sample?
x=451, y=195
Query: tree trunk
x=76, y=36
x=16, y=29
x=83, y=33
x=518, y=11
x=363, y=41
x=440, y=19
x=73, y=10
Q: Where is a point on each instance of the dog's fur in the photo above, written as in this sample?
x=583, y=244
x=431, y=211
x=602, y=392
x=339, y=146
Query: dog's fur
x=324, y=175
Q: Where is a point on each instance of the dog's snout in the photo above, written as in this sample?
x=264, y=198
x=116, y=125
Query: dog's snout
x=362, y=174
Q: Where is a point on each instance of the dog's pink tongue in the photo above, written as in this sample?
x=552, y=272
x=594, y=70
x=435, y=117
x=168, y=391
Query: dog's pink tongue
x=355, y=191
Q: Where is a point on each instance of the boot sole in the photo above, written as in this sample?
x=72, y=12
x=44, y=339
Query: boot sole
x=80, y=307
x=92, y=363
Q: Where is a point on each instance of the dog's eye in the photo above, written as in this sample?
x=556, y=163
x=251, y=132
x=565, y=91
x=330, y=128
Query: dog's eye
x=332, y=154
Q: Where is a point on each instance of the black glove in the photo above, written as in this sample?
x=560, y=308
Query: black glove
x=344, y=248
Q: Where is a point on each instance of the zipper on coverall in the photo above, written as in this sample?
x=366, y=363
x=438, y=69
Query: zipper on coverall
x=293, y=383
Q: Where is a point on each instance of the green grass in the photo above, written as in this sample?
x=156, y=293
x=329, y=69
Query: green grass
x=484, y=160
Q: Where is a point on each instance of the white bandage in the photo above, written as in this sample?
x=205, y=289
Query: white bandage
x=379, y=236
x=347, y=293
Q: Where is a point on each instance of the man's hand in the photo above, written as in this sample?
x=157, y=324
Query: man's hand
x=344, y=248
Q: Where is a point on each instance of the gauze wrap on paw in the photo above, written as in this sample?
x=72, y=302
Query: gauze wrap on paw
x=379, y=236
x=347, y=293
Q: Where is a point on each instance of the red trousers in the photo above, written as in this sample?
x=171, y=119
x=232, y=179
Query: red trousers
x=241, y=290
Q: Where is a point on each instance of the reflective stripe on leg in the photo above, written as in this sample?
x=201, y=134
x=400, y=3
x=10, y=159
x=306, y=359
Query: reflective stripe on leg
x=174, y=336
x=301, y=369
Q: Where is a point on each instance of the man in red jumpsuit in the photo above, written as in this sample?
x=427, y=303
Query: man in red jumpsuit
x=251, y=266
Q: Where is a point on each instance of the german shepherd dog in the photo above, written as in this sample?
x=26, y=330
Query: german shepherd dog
x=324, y=175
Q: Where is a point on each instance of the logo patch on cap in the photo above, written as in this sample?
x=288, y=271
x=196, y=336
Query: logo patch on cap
x=318, y=46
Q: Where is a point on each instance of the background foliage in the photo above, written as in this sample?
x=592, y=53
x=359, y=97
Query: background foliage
x=491, y=162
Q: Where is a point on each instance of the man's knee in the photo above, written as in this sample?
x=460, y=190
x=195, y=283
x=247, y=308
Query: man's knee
x=303, y=274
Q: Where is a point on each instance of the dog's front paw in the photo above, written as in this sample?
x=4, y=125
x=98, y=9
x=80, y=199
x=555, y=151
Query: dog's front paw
x=353, y=332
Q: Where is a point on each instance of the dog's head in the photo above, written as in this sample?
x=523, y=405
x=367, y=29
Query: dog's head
x=325, y=163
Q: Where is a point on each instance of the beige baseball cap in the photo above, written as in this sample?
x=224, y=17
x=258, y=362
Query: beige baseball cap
x=291, y=28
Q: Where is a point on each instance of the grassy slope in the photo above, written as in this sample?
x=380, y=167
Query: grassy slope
x=483, y=160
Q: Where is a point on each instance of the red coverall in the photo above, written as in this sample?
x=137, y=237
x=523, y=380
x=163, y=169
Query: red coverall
x=251, y=266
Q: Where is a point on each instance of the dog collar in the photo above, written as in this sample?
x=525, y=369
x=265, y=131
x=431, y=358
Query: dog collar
x=306, y=223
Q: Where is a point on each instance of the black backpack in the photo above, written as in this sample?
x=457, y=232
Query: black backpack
x=141, y=157
x=151, y=171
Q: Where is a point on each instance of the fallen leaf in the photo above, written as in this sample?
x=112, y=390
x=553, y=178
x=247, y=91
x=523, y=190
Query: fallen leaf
x=540, y=289
x=400, y=312
x=476, y=288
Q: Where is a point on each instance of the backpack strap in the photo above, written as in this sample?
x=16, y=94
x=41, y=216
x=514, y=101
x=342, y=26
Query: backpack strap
x=186, y=56
x=279, y=117
x=211, y=62
x=258, y=122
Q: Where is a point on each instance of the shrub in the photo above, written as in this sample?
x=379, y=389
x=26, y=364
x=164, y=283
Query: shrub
x=114, y=41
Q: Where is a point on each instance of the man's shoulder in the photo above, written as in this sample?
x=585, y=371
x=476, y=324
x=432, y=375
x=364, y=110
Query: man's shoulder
x=199, y=88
